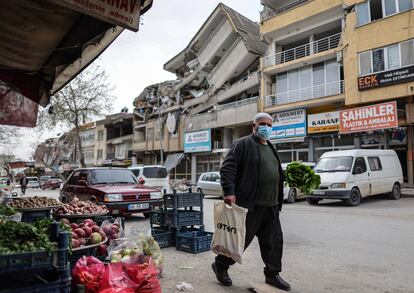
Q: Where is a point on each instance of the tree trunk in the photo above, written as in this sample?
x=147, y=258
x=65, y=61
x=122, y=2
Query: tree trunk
x=81, y=157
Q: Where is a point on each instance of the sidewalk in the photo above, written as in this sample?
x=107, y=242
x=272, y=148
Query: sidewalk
x=407, y=192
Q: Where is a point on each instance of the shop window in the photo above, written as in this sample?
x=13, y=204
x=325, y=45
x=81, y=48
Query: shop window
x=374, y=164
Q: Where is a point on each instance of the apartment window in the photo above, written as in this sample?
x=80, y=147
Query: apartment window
x=100, y=135
x=407, y=53
x=376, y=9
x=388, y=58
x=100, y=154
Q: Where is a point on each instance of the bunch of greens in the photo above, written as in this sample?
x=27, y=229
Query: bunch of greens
x=6, y=211
x=301, y=176
x=23, y=237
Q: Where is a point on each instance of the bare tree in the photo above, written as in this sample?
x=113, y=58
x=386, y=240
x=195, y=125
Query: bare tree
x=8, y=134
x=87, y=97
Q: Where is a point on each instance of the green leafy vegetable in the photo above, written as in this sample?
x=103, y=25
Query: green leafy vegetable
x=303, y=177
x=6, y=211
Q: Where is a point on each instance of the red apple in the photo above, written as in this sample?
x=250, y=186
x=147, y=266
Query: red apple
x=115, y=228
x=75, y=243
x=102, y=249
x=88, y=231
x=73, y=226
x=74, y=235
x=96, y=229
x=80, y=232
x=89, y=222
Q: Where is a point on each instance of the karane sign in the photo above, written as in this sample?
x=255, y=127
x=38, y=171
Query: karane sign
x=386, y=78
x=288, y=124
x=198, y=141
x=323, y=122
x=124, y=13
x=374, y=117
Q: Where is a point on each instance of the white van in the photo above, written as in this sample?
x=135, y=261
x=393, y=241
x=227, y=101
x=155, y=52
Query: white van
x=155, y=176
x=353, y=174
x=32, y=182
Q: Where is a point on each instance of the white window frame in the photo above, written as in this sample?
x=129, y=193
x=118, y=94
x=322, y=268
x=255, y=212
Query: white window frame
x=397, y=8
x=369, y=13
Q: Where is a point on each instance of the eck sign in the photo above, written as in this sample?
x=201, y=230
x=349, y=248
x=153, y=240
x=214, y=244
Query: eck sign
x=198, y=141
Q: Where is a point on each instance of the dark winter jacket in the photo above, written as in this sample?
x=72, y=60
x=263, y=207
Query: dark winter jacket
x=240, y=171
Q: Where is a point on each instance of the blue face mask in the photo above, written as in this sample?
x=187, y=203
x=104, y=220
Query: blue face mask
x=263, y=132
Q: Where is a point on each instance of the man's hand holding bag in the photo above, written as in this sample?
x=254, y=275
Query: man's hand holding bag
x=230, y=230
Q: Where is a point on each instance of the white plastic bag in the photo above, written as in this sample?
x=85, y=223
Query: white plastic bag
x=230, y=230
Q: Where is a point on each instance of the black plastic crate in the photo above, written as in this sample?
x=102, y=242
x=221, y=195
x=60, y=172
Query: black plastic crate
x=34, y=261
x=157, y=217
x=179, y=218
x=183, y=200
x=164, y=237
x=194, y=242
x=33, y=216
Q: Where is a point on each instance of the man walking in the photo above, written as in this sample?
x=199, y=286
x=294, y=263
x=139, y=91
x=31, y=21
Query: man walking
x=23, y=183
x=251, y=177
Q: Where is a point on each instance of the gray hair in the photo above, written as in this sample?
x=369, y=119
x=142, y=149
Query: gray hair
x=262, y=115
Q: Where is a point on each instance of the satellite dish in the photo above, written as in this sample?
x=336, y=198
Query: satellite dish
x=171, y=123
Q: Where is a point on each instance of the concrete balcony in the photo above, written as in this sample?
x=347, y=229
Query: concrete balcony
x=305, y=94
x=299, y=16
x=235, y=113
x=215, y=42
x=120, y=139
x=244, y=84
x=268, y=12
x=309, y=49
x=139, y=145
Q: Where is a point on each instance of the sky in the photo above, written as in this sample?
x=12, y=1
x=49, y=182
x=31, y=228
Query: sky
x=135, y=60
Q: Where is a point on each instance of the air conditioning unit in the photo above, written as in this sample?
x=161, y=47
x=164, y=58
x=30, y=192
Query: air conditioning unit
x=217, y=144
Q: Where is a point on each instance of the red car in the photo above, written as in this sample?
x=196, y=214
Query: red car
x=52, y=183
x=117, y=188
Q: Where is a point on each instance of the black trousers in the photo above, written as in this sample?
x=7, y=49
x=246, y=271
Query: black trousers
x=264, y=223
x=24, y=187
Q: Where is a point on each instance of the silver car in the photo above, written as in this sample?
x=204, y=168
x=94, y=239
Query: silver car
x=209, y=184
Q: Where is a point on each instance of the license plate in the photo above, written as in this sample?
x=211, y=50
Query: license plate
x=138, y=206
x=319, y=192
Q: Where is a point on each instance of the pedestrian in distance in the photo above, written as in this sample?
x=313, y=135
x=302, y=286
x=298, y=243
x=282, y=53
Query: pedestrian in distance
x=252, y=177
x=23, y=183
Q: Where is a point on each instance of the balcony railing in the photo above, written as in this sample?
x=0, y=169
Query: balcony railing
x=305, y=94
x=268, y=13
x=308, y=49
x=237, y=104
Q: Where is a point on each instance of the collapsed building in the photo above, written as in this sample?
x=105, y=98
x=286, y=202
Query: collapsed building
x=212, y=102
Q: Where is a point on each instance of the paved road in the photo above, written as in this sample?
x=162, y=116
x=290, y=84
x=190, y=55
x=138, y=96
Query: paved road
x=328, y=248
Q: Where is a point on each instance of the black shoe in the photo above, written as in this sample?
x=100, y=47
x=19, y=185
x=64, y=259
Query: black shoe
x=277, y=282
x=222, y=275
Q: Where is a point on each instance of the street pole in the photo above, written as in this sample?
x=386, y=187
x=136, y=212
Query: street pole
x=161, y=129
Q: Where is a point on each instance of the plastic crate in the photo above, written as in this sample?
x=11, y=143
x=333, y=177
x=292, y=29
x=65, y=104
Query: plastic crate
x=44, y=282
x=179, y=218
x=157, y=217
x=183, y=200
x=163, y=236
x=194, y=242
x=34, y=261
x=33, y=216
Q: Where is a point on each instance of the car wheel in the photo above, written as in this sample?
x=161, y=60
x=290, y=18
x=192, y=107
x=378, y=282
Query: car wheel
x=312, y=201
x=354, y=198
x=292, y=195
x=147, y=215
x=396, y=192
x=199, y=190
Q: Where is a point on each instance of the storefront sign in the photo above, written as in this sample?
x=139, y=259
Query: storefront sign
x=124, y=13
x=323, y=122
x=290, y=123
x=387, y=78
x=380, y=116
x=199, y=141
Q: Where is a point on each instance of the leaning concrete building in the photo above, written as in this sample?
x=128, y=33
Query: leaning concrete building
x=190, y=123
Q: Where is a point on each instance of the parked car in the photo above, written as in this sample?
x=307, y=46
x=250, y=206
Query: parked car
x=291, y=194
x=353, y=174
x=117, y=188
x=33, y=182
x=155, y=176
x=52, y=183
x=44, y=179
x=209, y=184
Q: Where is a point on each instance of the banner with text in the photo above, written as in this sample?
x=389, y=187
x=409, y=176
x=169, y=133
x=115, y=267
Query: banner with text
x=323, y=122
x=198, y=141
x=124, y=13
x=290, y=123
x=379, y=116
x=386, y=78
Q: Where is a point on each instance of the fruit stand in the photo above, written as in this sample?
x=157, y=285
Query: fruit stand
x=49, y=246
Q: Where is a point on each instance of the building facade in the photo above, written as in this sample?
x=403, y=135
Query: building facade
x=338, y=74
x=212, y=102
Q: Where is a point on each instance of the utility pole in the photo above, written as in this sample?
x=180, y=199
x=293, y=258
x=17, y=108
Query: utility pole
x=161, y=129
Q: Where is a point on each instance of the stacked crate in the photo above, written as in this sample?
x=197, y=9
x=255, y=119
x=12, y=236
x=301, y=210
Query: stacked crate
x=179, y=223
x=43, y=271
